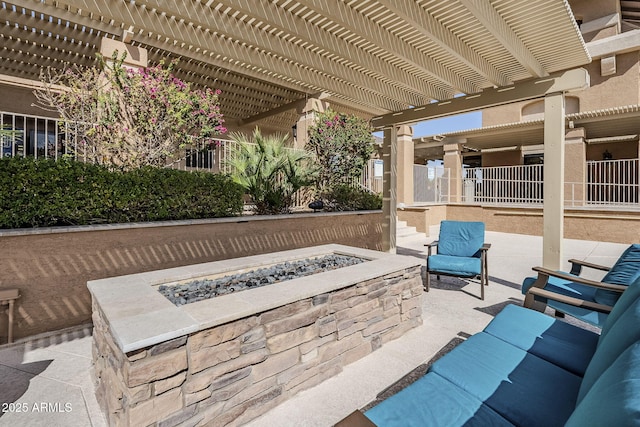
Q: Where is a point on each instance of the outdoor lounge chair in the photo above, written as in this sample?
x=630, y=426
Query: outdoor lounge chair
x=587, y=300
x=461, y=252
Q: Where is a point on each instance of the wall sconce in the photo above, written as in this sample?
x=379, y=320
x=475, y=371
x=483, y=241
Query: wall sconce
x=294, y=131
x=607, y=155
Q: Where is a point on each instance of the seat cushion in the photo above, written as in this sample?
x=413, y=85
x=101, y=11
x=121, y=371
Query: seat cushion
x=623, y=272
x=555, y=341
x=624, y=332
x=457, y=266
x=613, y=400
x=433, y=401
x=521, y=387
x=460, y=238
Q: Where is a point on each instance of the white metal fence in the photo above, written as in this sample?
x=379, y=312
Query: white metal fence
x=607, y=183
x=520, y=184
x=613, y=183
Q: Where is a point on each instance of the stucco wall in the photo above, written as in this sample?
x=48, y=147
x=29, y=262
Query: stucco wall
x=15, y=98
x=51, y=266
x=581, y=224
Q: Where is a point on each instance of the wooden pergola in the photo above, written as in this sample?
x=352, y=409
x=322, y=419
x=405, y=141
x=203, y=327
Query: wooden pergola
x=395, y=61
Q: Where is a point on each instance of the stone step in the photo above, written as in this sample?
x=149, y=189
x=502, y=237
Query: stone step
x=404, y=230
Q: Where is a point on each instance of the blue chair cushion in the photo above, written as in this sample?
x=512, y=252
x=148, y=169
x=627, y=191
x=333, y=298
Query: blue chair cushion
x=501, y=375
x=555, y=341
x=624, y=332
x=563, y=287
x=460, y=238
x=613, y=400
x=433, y=401
x=456, y=266
x=623, y=272
x=628, y=297
x=572, y=289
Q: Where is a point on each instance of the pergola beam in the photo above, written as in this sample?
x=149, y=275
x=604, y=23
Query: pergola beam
x=174, y=31
x=431, y=28
x=348, y=18
x=491, y=19
x=571, y=80
x=194, y=13
x=279, y=17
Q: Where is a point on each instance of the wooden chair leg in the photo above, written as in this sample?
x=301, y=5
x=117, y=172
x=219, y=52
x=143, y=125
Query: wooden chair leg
x=428, y=281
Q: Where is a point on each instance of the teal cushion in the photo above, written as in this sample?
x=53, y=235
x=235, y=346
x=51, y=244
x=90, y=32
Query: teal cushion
x=460, y=238
x=623, y=272
x=457, y=266
x=555, y=341
x=614, y=399
x=624, y=332
x=572, y=289
x=433, y=401
x=521, y=387
x=628, y=297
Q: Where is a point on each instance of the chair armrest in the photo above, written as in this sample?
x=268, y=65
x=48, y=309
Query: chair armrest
x=430, y=247
x=576, y=266
x=485, y=246
x=576, y=302
x=546, y=272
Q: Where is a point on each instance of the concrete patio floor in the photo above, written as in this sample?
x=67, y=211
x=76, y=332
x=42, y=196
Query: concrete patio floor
x=47, y=381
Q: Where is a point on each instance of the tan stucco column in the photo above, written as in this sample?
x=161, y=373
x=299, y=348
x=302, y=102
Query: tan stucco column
x=553, y=187
x=136, y=55
x=389, y=195
x=452, y=160
x=307, y=116
x=405, y=165
x=575, y=166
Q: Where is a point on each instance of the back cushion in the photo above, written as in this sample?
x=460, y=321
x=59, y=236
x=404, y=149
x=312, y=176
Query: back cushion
x=623, y=272
x=628, y=297
x=613, y=399
x=460, y=238
x=624, y=332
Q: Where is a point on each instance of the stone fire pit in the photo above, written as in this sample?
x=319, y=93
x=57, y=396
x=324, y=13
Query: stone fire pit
x=231, y=358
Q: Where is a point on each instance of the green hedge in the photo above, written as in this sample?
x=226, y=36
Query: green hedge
x=40, y=193
x=346, y=198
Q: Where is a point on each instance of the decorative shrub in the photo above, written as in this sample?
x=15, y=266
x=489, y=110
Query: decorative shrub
x=342, y=145
x=128, y=118
x=347, y=198
x=39, y=193
x=270, y=173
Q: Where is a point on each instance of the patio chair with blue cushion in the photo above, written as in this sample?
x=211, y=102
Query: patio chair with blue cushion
x=461, y=252
x=587, y=300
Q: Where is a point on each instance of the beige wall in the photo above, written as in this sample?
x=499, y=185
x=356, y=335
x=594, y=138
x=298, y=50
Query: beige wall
x=502, y=158
x=605, y=226
x=618, y=150
x=20, y=99
x=581, y=224
x=51, y=267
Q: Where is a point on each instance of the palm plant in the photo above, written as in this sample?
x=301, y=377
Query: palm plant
x=270, y=172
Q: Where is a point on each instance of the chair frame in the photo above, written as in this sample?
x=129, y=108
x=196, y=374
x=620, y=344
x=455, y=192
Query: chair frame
x=484, y=268
x=537, y=296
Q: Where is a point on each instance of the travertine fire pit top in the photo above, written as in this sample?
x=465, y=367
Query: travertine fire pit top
x=139, y=316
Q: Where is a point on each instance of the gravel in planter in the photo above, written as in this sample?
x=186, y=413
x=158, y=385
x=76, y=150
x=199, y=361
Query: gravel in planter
x=201, y=289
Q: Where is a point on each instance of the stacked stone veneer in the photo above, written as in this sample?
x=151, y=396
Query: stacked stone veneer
x=231, y=373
